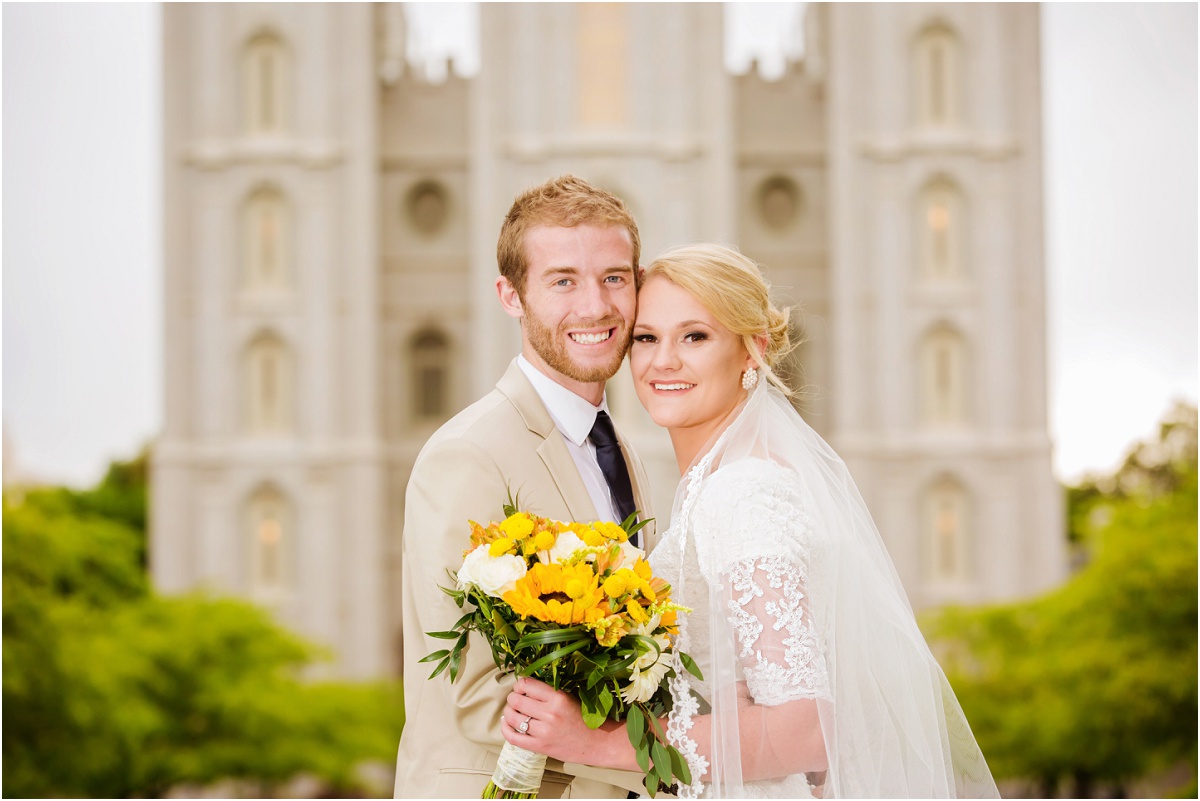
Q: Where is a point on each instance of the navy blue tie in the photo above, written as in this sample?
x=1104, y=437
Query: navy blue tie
x=612, y=464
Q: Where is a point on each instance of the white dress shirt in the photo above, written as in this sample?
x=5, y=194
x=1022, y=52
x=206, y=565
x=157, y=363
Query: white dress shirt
x=574, y=417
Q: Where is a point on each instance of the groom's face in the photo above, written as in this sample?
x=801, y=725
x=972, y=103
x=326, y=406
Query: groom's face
x=580, y=300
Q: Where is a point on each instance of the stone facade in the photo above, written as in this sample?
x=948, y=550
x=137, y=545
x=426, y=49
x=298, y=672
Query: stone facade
x=330, y=229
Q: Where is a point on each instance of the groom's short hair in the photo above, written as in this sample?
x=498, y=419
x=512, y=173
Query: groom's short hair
x=565, y=201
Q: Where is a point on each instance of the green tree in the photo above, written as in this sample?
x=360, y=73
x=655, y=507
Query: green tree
x=111, y=690
x=1096, y=681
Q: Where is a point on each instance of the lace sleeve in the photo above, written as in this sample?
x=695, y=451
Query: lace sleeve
x=754, y=541
x=778, y=648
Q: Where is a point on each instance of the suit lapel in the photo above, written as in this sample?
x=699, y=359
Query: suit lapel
x=641, y=492
x=553, y=450
x=558, y=461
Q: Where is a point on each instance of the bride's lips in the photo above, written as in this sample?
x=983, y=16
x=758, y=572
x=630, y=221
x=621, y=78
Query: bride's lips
x=671, y=387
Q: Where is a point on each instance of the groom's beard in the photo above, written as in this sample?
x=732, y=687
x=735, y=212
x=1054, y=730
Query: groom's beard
x=551, y=346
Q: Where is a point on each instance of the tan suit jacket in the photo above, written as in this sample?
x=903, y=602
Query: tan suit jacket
x=505, y=441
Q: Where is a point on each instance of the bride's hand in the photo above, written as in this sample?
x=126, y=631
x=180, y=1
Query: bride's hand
x=555, y=725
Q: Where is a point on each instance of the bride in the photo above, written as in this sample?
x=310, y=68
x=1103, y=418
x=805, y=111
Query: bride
x=817, y=681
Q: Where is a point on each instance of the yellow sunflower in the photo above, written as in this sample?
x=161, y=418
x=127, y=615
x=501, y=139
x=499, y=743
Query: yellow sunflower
x=556, y=593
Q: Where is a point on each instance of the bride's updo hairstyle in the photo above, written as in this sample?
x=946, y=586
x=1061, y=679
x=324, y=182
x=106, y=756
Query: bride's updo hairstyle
x=732, y=288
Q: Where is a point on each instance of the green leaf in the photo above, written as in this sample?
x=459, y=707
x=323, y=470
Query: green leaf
x=435, y=655
x=662, y=762
x=455, y=664
x=619, y=665
x=690, y=665
x=441, y=666
x=642, y=755
x=635, y=527
x=679, y=765
x=635, y=726
x=552, y=636
x=593, y=713
x=553, y=656
x=502, y=626
x=606, y=702
x=654, y=724
x=443, y=635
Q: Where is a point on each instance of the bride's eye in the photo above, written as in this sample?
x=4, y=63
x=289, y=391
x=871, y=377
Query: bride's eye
x=643, y=338
x=695, y=336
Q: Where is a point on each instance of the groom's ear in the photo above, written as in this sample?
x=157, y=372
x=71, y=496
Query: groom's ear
x=509, y=299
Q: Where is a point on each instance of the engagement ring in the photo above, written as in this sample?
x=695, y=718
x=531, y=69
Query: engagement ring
x=524, y=727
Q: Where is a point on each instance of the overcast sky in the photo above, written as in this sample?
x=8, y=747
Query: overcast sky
x=82, y=334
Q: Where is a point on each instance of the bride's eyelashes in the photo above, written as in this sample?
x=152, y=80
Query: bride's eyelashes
x=692, y=336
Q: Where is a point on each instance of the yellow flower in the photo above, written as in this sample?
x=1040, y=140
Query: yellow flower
x=610, y=531
x=545, y=540
x=556, y=593
x=614, y=585
x=500, y=547
x=518, y=526
x=610, y=630
x=635, y=611
x=590, y=536
x=575, y=588
x=642, y=569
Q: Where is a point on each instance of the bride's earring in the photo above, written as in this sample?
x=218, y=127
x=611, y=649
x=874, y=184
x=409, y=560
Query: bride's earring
x=749, y=379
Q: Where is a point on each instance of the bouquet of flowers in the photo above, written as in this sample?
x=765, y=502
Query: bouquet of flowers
x=576, y=606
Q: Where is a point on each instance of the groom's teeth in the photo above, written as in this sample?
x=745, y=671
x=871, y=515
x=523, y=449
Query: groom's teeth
x=591, y=339
x=673, y=386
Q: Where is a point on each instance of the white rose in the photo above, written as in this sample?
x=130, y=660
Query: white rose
x=495, y=575
x=567, y=544
x=630, y=554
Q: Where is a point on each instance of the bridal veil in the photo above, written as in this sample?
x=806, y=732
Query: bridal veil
x=808, y=627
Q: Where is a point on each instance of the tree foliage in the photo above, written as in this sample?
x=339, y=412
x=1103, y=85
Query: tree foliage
x=1096, y=681
x=111, y=690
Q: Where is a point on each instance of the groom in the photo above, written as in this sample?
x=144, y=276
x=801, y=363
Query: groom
x=568, y=255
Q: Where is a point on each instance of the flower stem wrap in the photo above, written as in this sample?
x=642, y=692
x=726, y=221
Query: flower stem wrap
x=518, y=774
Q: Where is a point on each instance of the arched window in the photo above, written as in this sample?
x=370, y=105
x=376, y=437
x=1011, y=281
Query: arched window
x=270, y=543
x=943, y=378
x=938, y=77
x=265, y=230
x=945, y=521
x=268, y=380
x=430, y=352
x=265, y=83
x=940, y=231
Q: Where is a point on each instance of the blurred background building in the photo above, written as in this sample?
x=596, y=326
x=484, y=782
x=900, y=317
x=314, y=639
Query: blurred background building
x=330, y=227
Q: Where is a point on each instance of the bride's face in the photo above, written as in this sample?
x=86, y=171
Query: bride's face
x=687, y=367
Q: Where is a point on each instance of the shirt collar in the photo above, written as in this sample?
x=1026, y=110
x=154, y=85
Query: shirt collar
x=572, y=415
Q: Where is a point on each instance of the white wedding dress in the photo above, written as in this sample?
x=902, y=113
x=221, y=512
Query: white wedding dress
x=801, y=629
x=750, y=548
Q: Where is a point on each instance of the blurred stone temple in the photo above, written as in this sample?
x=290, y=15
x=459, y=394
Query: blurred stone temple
x=330, y=226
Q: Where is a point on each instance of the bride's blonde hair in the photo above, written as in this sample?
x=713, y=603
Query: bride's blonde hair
x=732, y=288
